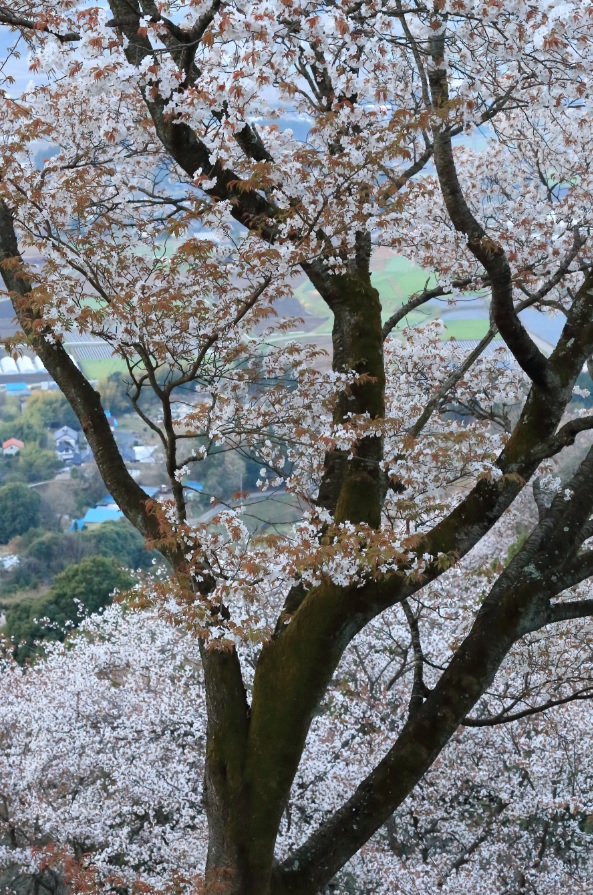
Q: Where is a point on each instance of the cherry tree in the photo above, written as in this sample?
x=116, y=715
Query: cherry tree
x=200, y=156
x=104, y=744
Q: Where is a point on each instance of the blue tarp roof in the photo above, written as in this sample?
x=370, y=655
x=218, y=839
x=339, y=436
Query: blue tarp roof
x=105, y=501
x=96, y=515
x=102, y=514
x=195, y=486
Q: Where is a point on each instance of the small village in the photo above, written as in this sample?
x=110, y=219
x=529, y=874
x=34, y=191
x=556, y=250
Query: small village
x=74, y=461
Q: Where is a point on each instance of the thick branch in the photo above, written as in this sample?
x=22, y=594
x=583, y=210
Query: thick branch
x=7, y=17
x=538, y=496
x=498, y=625
x=562, y=612
x=564, y=437
x=488, y=252
x=248, y=207
x=421, y=298
x=419, y=688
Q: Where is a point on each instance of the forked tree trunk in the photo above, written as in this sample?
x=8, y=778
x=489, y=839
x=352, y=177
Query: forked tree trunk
x=247, y=791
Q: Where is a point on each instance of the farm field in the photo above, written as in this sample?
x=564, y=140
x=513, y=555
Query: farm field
x=397, y=279
x=101, y=368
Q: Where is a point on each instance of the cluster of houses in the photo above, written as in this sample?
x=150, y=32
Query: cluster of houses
x=71, y=448
x=68, y=446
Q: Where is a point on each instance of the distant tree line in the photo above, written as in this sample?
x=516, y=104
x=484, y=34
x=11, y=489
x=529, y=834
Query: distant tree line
x=82, y=570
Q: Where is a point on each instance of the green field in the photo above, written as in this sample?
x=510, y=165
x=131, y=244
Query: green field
x=396, y=279
x=101, y=369
x=465, y=329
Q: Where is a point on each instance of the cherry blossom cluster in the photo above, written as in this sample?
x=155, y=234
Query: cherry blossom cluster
x=103, y=747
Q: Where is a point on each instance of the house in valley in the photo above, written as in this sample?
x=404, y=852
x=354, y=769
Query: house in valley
x=12, y=446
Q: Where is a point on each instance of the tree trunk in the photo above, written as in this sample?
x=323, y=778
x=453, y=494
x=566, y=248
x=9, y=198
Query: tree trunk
x=245, y=799
x=354, y=489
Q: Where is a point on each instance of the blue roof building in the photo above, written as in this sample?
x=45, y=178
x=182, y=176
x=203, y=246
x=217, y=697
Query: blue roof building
x=96, y=516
